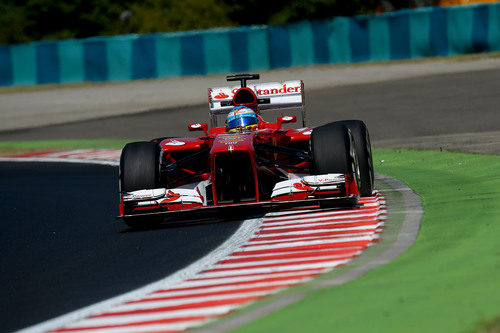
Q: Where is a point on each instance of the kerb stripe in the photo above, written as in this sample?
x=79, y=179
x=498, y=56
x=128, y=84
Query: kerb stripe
x=283, y=249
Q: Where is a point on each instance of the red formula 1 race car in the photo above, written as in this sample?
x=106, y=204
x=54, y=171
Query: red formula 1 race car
x=248, y=163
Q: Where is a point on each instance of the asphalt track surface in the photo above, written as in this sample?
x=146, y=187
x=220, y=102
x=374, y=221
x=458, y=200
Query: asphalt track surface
x=417, y=112
x=61, y=248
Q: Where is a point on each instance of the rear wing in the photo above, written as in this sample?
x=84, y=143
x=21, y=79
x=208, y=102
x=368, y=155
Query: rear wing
x=270, y=96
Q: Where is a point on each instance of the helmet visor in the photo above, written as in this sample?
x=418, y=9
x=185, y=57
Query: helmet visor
x=242, y=122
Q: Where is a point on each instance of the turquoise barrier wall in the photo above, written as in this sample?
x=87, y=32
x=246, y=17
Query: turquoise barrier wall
x=426, y=32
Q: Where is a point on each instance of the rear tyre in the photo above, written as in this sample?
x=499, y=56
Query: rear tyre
x=140, y=169
x=361, y=137
x=333, y=150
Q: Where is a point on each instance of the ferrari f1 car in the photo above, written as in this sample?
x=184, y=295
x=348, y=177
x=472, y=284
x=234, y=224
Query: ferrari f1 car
x=267, y=166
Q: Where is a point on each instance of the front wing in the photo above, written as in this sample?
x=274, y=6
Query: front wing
x=254, y=207
x=331, y=190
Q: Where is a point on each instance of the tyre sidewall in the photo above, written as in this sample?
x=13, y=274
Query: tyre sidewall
x=361, y=137
x=139, y=166
x=332, y=150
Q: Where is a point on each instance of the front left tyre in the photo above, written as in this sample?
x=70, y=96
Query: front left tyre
x=140, y=169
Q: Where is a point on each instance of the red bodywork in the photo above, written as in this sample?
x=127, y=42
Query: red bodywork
x=241, y=167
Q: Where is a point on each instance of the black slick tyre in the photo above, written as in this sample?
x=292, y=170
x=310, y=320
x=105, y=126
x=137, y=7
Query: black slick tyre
x=139, y=169
x=361, y=137
x=333, y=150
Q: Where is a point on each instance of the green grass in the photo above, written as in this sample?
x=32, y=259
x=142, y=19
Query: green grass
x=448, y=281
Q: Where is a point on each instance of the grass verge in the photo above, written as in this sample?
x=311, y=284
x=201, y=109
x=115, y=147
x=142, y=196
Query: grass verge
x=446, y=282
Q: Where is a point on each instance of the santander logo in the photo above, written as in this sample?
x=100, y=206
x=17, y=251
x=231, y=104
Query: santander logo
x=266, y=89
x=221, y=95
x=281, y=90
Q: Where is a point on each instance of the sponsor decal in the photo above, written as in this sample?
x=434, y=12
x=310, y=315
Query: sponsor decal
x=199, y=194
x=326, y=180
x=287, y=118
x=302, y=187
x=143, y=195
x=242, y=110
x=196, y=126
x=221, y=95
x=171, y=196
x=309, y=132
x=175, y=143
x=137, y=196
x=280, y=91
x=323, y=180
x=269, y=90
x=231, y=139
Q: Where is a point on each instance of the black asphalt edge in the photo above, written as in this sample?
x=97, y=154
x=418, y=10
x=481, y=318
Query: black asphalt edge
x=235, y=241
x=406, y=236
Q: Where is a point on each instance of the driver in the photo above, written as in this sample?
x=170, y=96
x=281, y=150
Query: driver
x=241, y=119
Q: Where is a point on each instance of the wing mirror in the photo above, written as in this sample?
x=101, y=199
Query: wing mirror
x=286, y=120
x=198, y=127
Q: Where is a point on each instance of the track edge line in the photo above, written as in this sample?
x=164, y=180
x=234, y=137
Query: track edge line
x=406, y=236
x=240, y=237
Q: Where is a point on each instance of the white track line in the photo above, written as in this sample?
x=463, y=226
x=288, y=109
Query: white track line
x=283, y=276
x=183, y=301
x=253, y=247
x=275, y=269
x=368, y=228
x=180, y=326
x=367, y=207
x=317, y=222
x=233, y=289
x=117, y=320
x=263, y=257
x=246, y=230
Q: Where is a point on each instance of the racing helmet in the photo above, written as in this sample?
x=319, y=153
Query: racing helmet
x=241, y=119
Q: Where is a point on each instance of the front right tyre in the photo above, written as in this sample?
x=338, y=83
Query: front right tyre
x=333, y=150
x=361, y=138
